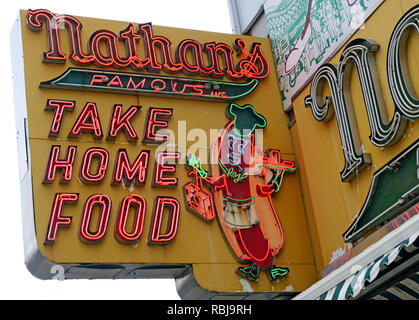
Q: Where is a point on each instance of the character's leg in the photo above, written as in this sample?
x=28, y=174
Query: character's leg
x=275, y=272
x=251, y=273
x=253, y=243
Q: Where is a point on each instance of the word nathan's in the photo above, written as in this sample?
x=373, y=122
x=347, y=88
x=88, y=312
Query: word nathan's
x=191, y=56
x=94, y=165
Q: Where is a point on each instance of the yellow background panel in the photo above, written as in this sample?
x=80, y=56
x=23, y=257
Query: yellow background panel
x=331, y=205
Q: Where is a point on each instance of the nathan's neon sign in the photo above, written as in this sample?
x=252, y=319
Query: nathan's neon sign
x=105, y=176
x=191, y=57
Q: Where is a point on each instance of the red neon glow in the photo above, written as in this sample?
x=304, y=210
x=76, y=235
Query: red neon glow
x=136, y=172
x=195, y=49
x=131, y=39
x=35, y=18
x=214, y=50
x=151, y=44
x=88, y=121
x=115, y=82
x=219, y=94
x=55, y=218
x=102, y=155
x=199, y=200
x=121, y=122
x=220, y=148
x=173, y=207
x=274, y=160
x=161, y=168
x=66, y=165
x=258, y=252
x=140, y=84
x=98, y=79
x=74, y=26
x=59, y=107
x=265, y=258
x=110, y=40
x=153, y=124
x=270, y=251
x=158, y=85
x=139, y=204
x=104, y=203
x=255, y=66
x=53, y=23
x=194, y=88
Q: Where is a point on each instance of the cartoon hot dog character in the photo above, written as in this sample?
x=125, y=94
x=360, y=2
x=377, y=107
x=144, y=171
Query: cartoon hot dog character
x=242, y=180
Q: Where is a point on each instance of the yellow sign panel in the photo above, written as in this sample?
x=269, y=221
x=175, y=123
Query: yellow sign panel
x=155, y=151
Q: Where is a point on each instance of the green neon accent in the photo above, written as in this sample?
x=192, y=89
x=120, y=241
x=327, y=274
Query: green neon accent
x=278, y=184
x=246, y=119
x=237, y=177
x=274, y=181
x=277, y=272
x=280, y=167
x=251, y=272
x=242, y=200
x=195, y=163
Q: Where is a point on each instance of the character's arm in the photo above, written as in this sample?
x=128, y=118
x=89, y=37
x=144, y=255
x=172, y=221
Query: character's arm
x=217, y=183
x=278, y=169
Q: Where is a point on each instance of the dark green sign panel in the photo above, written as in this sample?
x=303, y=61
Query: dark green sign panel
x=394, y=188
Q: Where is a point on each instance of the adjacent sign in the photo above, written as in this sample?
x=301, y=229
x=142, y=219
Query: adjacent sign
x=307, y=33
x=356, y=126
x=389, y=193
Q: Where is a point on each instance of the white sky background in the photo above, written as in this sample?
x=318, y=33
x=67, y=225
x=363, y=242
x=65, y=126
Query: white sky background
x=15, y=280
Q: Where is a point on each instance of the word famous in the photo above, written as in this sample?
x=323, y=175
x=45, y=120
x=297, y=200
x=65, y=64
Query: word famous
x=146, y=51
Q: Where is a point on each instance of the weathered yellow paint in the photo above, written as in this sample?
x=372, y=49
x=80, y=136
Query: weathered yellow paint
x=198, y=243
x=330, y=204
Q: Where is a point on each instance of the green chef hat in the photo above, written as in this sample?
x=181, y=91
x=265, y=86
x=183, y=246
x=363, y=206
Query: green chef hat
x=246, y=118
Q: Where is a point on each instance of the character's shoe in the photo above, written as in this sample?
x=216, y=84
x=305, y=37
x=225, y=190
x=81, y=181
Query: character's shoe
x=251, y=272
x=275, y=272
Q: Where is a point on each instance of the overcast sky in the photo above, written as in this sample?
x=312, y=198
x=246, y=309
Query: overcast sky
x=15, y=280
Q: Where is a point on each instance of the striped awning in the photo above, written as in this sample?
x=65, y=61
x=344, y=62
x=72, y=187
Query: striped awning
x=408, y=288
